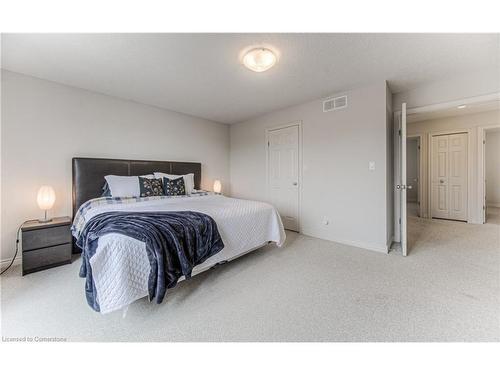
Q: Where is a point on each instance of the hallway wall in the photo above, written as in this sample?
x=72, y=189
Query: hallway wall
x=492, y=154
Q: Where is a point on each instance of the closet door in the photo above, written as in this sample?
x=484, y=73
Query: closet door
x=439, y=177
x=457, y=180
x=449, y=177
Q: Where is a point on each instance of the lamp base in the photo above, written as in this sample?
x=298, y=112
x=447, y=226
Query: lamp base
x=45, y=219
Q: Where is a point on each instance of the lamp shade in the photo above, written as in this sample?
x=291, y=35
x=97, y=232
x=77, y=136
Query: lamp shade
x=217, y=186
x=46, y=197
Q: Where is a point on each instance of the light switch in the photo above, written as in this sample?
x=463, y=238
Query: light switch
x=371, y=165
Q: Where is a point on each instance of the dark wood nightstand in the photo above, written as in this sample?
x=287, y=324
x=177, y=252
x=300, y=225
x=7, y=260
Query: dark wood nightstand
x=46, y=245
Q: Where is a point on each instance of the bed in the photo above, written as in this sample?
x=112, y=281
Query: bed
x=120, y=266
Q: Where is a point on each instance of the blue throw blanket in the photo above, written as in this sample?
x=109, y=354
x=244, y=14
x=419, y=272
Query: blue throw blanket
x=175, y=243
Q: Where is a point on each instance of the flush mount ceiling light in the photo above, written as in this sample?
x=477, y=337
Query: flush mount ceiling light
x=259, y=59
x=462, y=106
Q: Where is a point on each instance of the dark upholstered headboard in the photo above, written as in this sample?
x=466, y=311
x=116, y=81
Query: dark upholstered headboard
x=88, y=174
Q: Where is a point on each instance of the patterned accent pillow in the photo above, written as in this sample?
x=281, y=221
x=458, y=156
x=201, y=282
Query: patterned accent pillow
x=150, y=187
x=174, y=186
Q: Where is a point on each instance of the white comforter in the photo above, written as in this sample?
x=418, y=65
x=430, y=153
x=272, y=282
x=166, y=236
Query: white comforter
x=120, y=266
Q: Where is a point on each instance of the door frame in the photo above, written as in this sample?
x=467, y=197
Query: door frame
x=421, y=158
x=299, y=166
x=481, y=170
x=399, y=187
x=430, y=108
x=470, y=157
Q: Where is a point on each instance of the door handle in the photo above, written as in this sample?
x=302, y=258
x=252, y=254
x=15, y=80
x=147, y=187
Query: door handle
x=294, y=184
x=441, y=181
x=409, y=187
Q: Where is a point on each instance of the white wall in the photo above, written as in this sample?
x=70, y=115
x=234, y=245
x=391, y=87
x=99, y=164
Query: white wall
x=466, y=121
x=492, y=156
x=446, y=90
x=469, y=122
x=336, y=183
x=45, y=124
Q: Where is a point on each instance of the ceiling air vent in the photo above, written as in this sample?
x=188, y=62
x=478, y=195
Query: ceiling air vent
x=332, y=104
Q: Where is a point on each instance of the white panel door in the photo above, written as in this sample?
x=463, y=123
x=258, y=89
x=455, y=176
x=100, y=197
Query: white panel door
x=402, y=186
x=439, y=177
x=457, y=180
x=283, y=178
x=449, y=176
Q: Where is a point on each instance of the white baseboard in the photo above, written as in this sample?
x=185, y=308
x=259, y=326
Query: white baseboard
x=6, y=262
x=363, y=245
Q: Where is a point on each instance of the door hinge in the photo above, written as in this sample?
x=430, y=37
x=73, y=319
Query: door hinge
x=399, y=131
x=419, y=147
x=399, y=220
x=484, y=141
x=268, y=144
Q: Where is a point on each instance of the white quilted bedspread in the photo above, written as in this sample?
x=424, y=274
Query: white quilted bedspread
x=120, y=266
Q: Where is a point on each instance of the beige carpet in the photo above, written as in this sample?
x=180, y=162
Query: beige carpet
x=447, y=289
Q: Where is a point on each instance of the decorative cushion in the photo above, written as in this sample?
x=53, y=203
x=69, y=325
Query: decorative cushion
x=174, y=186
x=150, y=187
x=188, y=179
x=124, y=186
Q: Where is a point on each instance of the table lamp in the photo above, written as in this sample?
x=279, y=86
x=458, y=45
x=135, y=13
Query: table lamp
x=217, y=187
x=45, y=198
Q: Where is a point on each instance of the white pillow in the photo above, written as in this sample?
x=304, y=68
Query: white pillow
x=188, y=179
x=125, y=186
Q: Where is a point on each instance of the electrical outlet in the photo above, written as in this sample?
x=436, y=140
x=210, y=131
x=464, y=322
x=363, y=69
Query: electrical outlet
x=371, y=165
x=326, y=221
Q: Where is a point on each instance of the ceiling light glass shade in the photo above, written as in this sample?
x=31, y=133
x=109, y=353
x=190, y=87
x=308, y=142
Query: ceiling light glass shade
x=259, y=59
x=46, y=197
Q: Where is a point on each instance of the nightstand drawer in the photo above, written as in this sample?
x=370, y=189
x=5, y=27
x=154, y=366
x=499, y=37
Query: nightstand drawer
x=37, y=238
x=36, y=260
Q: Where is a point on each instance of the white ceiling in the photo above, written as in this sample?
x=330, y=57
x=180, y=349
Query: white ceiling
x=490, y=105
x=200, y=74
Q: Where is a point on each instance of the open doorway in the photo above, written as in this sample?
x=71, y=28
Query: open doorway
x=448, y=164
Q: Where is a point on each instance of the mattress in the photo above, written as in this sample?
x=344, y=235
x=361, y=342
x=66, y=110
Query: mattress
x=120, y=266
